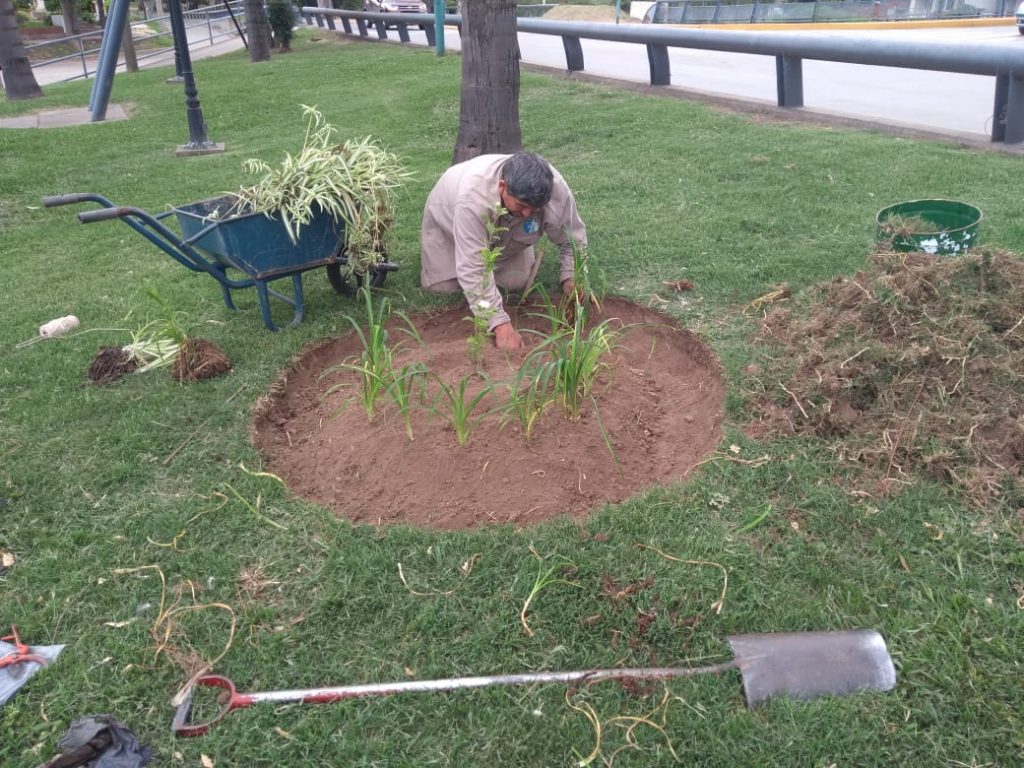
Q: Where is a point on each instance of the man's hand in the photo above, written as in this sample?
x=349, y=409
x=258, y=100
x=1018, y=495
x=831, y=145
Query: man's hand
x=507, y=337
x=568, y=287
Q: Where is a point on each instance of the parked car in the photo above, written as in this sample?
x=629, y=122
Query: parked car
x=1020, y=18
x=395, y=6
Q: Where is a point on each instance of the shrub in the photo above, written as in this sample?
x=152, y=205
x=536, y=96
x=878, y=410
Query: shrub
x=86, y=9
x=281, y=17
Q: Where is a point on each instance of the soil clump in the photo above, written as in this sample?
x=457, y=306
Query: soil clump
x=199, y=359
x=915, y=365
x=658, y=413
x=110, y=364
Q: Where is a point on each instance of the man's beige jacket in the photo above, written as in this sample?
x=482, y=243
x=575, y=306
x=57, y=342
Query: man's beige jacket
x=455, y=231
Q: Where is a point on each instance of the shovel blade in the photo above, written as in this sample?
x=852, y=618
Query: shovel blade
x=806, y=665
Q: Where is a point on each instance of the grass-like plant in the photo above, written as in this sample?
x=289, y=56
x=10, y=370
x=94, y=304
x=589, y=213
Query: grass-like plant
x=405, y=390
x=375, y=363
x=577, y=358
x=460, y=407
x=354, y=182
x=550, y=312
x=156, y=343
x=588, y=285
x=546, y=577
x=530, y=393
x=482, y=310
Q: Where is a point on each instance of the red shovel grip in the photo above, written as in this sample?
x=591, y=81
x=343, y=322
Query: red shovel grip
x=180, y=726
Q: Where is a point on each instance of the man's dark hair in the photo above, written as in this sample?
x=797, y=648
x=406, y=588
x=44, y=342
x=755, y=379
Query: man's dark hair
x=528, y=177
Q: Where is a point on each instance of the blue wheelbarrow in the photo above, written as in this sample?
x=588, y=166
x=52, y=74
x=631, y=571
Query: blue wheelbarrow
x=214, y=240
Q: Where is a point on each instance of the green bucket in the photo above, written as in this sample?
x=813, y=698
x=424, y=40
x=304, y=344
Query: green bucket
x=945, y=227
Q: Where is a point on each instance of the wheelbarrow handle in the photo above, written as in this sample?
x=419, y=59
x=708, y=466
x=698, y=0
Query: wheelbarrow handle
x=103, y=214
x=52, y=201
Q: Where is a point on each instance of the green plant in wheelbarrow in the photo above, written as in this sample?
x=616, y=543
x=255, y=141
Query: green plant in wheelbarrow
x=353, y=182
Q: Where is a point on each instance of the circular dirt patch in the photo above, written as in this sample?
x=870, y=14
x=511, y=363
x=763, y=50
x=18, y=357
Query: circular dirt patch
x=659, y=410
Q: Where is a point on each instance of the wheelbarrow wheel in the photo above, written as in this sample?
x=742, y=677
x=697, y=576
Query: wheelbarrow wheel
x=348, y=285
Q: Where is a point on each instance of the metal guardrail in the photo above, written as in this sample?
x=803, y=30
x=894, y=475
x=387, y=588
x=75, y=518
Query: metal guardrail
x=789, y=49
x=725, y=12
x=214, y=23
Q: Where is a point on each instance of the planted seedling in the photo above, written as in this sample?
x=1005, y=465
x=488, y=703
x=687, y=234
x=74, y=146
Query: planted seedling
x=588, y=286
x=481, y=307
x=374, y=364
x=530, y=393
x=551, y=313
x=577, y=357
x=461, y=407
x=406, y=390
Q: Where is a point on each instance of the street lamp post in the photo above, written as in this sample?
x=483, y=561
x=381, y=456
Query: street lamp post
x=198, y=143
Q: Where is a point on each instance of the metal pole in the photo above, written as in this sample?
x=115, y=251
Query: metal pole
x=197, y=143
x=235, y=22
x=439, y=10
x=177, y=56
x=100, y=96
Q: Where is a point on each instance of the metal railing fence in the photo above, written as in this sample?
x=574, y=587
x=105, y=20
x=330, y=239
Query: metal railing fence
x=789, y=49
x=203, y=26
x=726, y=12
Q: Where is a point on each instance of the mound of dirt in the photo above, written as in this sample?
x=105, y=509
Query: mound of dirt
x=199, y=359
x=110, y=364
x=659, y=409
x=915, y=364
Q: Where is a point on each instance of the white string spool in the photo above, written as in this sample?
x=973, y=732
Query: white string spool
x=58, y=327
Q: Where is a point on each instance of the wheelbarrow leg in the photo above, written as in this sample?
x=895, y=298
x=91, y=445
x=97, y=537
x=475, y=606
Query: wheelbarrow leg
x=264, y=297
x=300, y=309
x=226, y=293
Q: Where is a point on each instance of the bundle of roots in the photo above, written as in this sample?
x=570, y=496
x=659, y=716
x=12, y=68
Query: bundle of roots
x=195, y=360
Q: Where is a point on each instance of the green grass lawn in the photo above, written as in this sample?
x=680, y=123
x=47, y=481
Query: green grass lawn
x=670, y=190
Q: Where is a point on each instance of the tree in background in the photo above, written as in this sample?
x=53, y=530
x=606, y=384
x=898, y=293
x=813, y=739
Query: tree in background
x=15, y=68
x=257, y=29
x=281, y=18
x=489, y=97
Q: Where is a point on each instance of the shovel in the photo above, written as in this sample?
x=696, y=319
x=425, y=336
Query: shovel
x=803, y=665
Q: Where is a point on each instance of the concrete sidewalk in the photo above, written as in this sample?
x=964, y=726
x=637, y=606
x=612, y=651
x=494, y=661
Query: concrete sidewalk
x=62, y=118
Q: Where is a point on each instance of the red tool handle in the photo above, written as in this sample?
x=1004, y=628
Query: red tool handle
x=234, y=700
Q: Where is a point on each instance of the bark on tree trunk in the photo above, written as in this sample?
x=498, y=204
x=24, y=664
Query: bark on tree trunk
x=489, y=98
x=15, y=68
x=70, y=14
x=257, y=30
x=131, y=61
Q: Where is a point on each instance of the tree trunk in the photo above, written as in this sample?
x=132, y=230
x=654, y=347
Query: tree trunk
x=69, y=11
x=18, y=79
x=131, y=61
x=257, y=30
x=489, y=102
